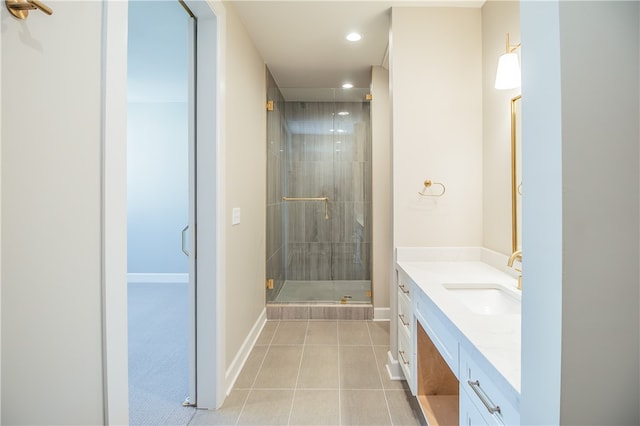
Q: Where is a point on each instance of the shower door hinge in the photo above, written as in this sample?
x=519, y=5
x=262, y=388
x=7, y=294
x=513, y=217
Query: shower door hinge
x=269, y=105
x=270, y=284
x=368, y=97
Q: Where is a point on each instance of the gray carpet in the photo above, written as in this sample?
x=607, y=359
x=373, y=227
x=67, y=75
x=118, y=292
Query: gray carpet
x=158, y=354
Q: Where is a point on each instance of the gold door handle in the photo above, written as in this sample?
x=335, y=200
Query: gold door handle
x=20, y=8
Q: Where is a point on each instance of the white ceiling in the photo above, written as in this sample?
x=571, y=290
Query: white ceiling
x=303, y=41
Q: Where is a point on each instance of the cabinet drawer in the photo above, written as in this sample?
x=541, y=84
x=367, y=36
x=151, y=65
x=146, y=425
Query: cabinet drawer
x=404, y=312
x=404, y=285
x=496, y=404
x=469, y=413
x=405, y=356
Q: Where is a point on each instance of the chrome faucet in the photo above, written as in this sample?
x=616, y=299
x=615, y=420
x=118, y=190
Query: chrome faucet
x=516, y=255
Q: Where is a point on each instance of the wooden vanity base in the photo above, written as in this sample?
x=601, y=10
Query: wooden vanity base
x=438, y=387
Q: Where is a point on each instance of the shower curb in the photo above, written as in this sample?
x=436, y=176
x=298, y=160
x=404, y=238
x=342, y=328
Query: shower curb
x=316, y=311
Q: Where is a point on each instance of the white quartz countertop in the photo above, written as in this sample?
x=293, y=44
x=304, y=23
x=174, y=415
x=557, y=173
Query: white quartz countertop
x=496, y=337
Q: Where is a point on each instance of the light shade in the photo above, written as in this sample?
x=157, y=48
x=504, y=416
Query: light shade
x=353, y=37
x=508, y=75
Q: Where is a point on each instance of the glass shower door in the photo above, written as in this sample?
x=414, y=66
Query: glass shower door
x=325, y=178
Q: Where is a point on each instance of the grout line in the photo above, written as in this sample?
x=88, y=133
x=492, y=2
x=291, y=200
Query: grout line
x=192, y=416
x=370, y=338
x=293, y=398
x=384, y=393
x=339, y=376
x=258, y=372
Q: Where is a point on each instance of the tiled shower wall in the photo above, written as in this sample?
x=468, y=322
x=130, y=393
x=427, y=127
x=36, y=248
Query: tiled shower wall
x=327, y=153
x=275, y=159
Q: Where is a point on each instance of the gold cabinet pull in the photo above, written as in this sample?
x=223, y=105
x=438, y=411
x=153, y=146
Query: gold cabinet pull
x=20, y=8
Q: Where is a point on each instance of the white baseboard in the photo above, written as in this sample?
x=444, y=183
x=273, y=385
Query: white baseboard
x=159, y=278
x=243, y=354
x=393, y=368
x=381, y=314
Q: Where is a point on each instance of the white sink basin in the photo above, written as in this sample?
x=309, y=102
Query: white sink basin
x=487, y=299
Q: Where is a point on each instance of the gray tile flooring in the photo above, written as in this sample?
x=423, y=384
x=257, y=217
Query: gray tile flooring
x=317, y=373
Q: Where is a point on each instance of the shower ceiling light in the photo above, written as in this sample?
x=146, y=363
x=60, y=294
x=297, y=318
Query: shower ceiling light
x=347, y=86
x=354, y=37
x=343, y=113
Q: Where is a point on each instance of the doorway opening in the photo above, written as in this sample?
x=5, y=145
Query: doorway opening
x=161, y=212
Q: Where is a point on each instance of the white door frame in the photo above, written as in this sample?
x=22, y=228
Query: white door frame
x=210, y=133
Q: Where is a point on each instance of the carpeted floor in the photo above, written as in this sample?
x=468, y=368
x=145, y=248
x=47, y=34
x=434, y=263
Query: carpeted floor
x=158, y=354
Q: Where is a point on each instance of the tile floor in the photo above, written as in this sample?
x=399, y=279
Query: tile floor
x=317, y=373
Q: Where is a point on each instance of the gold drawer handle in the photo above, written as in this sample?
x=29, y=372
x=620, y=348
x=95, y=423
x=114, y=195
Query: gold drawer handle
x=401, y=353
x=404, y=289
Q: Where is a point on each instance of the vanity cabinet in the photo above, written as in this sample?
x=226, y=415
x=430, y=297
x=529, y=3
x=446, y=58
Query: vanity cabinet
x=482, y=391
x=406, y=354
x=453, y=382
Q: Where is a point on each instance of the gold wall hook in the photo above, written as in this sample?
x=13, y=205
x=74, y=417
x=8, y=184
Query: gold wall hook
x=20, y=8
x=427, y=184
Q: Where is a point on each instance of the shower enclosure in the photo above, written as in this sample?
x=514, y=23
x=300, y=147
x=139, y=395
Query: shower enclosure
x=318, y=200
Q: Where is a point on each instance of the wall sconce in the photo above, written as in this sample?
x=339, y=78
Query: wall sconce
x=508, y=74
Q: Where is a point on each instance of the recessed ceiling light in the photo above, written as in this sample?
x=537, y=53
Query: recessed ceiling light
x=338, y=141
x=353, y=37
x=347, y=86
x=340, y=131
x=343, y=113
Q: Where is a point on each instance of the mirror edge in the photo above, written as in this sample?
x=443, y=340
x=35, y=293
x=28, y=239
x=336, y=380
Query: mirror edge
x=514, y=184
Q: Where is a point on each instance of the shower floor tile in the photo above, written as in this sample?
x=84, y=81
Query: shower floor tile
x=324, y=291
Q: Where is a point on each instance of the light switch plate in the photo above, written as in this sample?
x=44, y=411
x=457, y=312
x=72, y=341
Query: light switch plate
x=235, y=216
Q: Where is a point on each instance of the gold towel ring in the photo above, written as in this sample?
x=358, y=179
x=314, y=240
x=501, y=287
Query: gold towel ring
x=520, y=188
x=428, y=183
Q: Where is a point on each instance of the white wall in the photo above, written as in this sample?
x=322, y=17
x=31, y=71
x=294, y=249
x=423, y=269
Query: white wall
x=581, y=219
x=600, y=138
x=498, y=19
x=382, y=207
x=436, y=75
x=51, y=216
x=245, y=184
x=542, y=214
x=157, y=137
